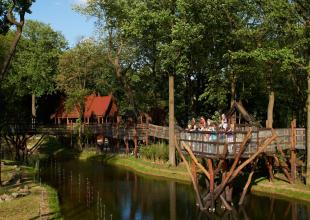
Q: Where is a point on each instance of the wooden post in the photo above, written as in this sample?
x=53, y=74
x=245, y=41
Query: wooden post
x=293, y=150
x=210, y=167
x=147, y=131
x=268, y=161
x=198, y=198
x=284, y=168
x=194, y=171
x=171, y=122
x=126, y=144
x=135, y=140
x=245, y=189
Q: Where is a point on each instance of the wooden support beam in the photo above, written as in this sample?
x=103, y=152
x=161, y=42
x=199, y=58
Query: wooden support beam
x=268, y=161
x=191, y=154
x=210, y=167
x=135, y=140
x=245, y=189
x=194, y=171
x=233, y=172
x=198, y=198
x=284, y=168
x=126, y=144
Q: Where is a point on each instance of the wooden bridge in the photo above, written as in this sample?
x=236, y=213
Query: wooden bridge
x=202, y=143
x=225, y=154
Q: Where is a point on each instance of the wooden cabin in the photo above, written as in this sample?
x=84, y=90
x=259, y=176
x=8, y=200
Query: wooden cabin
x=98, y=109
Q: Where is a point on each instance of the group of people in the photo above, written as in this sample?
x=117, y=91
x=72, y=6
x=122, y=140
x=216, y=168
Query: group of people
x=210, y=128
x=208, y=125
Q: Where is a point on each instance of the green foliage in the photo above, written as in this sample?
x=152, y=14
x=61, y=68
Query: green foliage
x=156, y=152
x=79, y=69
x=35, y=63
x=210, y=47
x=18, y=8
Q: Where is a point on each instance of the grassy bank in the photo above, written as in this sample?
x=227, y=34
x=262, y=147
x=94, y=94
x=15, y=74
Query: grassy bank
x=281, y=189
x=139, y=165
x=41, y=202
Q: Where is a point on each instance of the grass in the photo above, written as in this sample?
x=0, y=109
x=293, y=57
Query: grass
x=42, y=199
x=281, y=189
x=87, y=154
x=142, y=166
x=53, y=148
x=53, y=202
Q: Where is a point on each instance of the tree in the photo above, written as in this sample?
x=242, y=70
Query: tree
x=79, y=68
x=8, y=12
x=302, y=8
x=36, y=61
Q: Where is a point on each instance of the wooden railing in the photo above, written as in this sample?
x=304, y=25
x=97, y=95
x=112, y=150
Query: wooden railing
x=201, y=142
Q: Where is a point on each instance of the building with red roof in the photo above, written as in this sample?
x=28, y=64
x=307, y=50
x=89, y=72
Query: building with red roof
x=98, y=109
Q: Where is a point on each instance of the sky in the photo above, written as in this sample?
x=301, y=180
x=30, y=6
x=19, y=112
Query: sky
x=61, y=17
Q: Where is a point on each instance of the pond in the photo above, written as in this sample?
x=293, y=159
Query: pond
x=93, y=190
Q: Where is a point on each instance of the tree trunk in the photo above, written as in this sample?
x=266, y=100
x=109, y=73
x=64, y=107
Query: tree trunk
x=233, y=89
x=0, y=160
x=33, y=109
x=33, y=105
x=10, y=54
x=308, y=130
x=269, y=122
x=171, y=122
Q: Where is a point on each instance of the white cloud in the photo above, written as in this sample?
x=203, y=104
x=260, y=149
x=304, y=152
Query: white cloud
x=82, y=2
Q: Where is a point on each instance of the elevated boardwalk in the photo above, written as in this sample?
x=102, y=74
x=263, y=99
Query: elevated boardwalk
x=225, y=154
x=202, y=143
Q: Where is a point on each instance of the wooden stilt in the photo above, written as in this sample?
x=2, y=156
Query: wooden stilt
x=225, y=203
x=194, y=171
x=198, y=198
x=126, y=144
x=135, y=140
x=191, y=154
x=233, y=172
x=228, y=193
x=283, y=167
x=268, y=162
x=245, y=189
x=210, y=167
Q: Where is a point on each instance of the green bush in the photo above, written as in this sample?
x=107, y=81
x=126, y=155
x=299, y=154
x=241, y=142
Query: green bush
x=156, y=152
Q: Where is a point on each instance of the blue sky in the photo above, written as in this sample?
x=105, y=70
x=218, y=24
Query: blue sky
x=59, y=14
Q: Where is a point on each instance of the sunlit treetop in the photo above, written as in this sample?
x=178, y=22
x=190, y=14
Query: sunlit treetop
x=12, y=12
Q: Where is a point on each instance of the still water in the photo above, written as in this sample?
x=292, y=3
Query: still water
x=93, y=190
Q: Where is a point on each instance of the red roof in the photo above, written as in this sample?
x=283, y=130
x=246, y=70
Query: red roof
x=94, y=105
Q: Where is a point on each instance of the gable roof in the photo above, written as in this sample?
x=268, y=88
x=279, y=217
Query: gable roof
x=94, y=105
x=97, y=105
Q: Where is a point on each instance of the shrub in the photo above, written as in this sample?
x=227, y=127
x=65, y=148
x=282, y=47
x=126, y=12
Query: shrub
x=156, y=152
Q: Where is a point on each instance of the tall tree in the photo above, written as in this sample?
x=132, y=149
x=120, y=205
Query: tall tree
x=9, y=10
x=36, y=61
x=302, y=8
x=78, y=69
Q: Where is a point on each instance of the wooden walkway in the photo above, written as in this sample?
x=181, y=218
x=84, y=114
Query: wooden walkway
x=225, y=154
x=202, y=143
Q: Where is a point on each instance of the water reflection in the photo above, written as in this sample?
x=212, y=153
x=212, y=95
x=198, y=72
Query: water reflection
x=91, y=190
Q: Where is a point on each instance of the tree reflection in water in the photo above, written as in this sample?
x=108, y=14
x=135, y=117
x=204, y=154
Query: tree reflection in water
x=92, y=190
